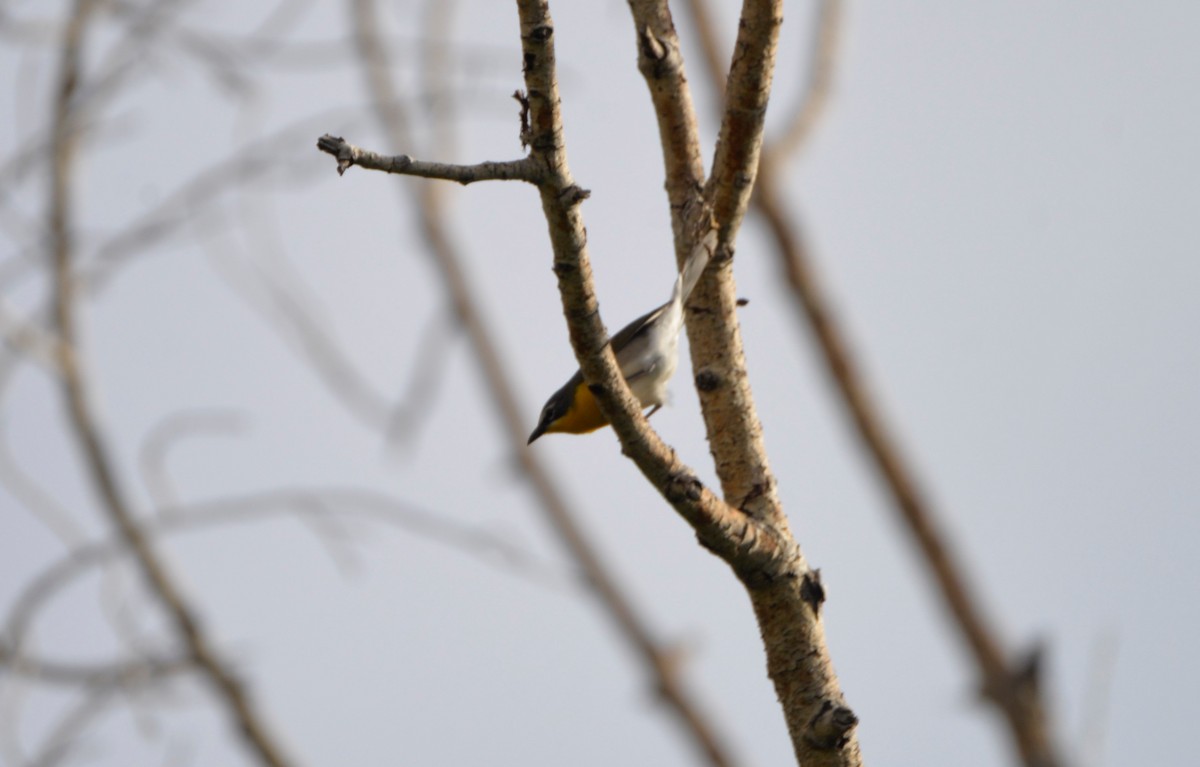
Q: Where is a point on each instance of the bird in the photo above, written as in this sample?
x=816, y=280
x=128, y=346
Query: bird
x=647, y=352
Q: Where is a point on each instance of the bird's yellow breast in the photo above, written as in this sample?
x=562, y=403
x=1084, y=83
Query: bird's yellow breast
x=582, y=416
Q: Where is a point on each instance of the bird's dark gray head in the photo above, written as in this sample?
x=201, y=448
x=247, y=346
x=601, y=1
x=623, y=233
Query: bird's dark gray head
x=554, y=409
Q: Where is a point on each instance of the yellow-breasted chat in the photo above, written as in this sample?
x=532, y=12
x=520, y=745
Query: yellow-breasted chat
x=647, y=351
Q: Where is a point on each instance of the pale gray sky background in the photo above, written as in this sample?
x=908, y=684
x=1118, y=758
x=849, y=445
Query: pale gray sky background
x=1003, y=201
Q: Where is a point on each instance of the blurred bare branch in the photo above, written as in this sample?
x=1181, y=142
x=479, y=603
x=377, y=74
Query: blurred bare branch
x=75, y=392
x=810, y=106
x=28, y=338
x=136, y=671
x=330, y=533
x=351, y=503
x=416, y=404
x=476, y=65
x=144, y=25
x=287, y=312
x=99, y=687
x=37, y=499
x=18, y=167
x=489, y=547
x=438, y=53
x=65, y=736
x=223, y=62
x=166, y=434
x=26, y=31
x=253, y=161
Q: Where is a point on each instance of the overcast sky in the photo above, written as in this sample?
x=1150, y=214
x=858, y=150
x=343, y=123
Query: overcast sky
x=1002, y=200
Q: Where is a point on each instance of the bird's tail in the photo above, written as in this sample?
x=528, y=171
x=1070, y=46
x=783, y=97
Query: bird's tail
x=689, y=275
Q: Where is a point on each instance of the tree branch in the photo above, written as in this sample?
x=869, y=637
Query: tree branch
x=347, y=154
x=1009, y=684
x=95, y=452
x=541, y=134
x=660, y=60
x=787, y=595
x=718, y=358
x=753, y=549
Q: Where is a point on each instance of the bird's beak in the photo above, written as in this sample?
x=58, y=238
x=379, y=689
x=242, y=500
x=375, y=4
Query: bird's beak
x=539, y=431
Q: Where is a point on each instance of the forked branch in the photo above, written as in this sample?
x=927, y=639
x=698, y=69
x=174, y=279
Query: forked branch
x=656, y=658
x=748, y=529
x=788, y=608
x=1011, y=684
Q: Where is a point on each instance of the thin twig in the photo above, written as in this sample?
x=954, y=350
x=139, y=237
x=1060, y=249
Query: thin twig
x=347, y=154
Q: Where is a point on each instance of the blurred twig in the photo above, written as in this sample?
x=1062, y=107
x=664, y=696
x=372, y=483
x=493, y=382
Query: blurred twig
x=225, y=63
x=28, y=338
x=288, y=313
x=191, y=205
x=82, y=420
x=287, y=310
x=417, y=401
x=41, y=503
x=251, y=161
x=64, y=736
x=165, y=435
x=329, y=503
x=1012, y=684
x=809, y=108
x=351, y=503
x=89, y=675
